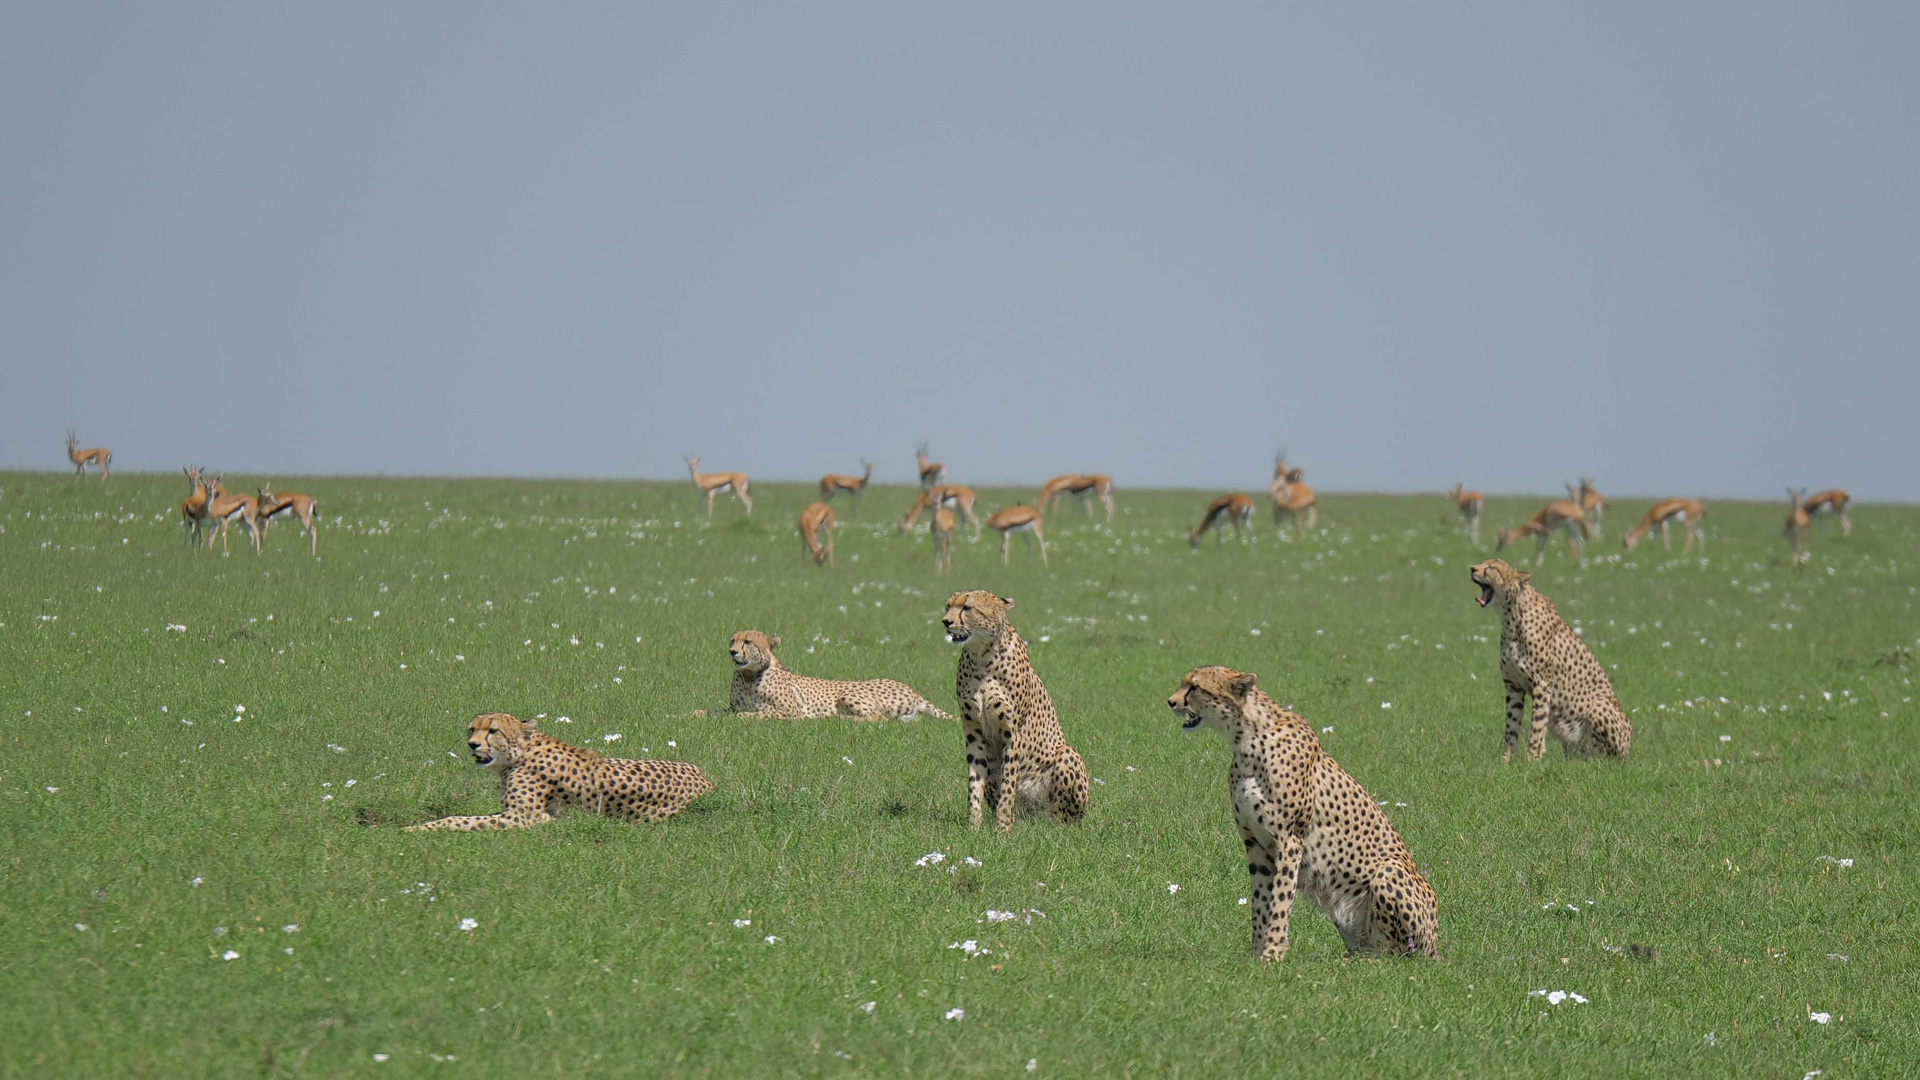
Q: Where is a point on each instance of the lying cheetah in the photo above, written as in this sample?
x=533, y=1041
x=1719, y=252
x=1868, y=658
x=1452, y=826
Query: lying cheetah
x=1308, y=826
x=763, y=688
x=535, y=768
x=1015, y=748
x=1540, y=655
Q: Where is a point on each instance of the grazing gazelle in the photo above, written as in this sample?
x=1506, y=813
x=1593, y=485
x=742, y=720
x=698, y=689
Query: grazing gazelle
x=931, y=472
x=1470, y=504
x=98, y=457
x=1558, y=514
x=223, y=508
x=1236, y=510
x=1798, y=523
x=943, y=539
x=1018, y=519
x=1831, y=501
x=949, y=496
x=1664, y=513
x=1078, y=485
x=834, y=483
x=193, y=512
x=1291, y=495
x=294, y=503
x=816, y=521
x=714, y=483
x=1592, y=506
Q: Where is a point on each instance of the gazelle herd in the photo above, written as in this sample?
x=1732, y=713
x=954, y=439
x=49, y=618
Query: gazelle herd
x=209, y=505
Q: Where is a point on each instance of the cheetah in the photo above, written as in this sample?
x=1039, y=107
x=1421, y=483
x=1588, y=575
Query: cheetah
x=1308, y=826
x=1540, y=655
x=535, y=768
x=763, y=688
x=1015, y=748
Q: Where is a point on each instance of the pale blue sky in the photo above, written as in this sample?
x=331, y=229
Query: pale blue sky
x=1669, y=245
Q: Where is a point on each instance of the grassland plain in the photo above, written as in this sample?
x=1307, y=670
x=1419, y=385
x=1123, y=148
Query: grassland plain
x=782, y=926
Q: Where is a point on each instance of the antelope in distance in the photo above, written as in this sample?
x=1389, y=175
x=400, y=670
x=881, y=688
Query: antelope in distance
x=817, y=521
x=1831, y=501
x=1291, y=496
x=294, y=503
x=943, y=539
x=1079, y=486
x=1798, y=524
x=1558, y=514
x=949, y=496
x=1236, y=510
x=193, y=512
x=834, y=483
x=716, y=482
x=223, y=508
x=931, y=472
x=1018, y=519
x=1664, y=513
x=99, y=457
x=1592, y=506
x=1470, y=504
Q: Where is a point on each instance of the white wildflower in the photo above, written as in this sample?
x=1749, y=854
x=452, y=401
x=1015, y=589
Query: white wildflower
x=931, y=858
x=867, y=1006
x=1172, y=888
x=231, y=955
x=1820, y=1017
x=956, y=1014
x=469, y=925
x=742, y=923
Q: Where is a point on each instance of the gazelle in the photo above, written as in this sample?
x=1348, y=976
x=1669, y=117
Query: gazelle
x=1831, y=501
x=834, y=483
x=943, y=539
x=1664, y=513
x=1018, y=519
x=1592, y=506
x=817, y=521
x=1558, y=514
x=1798, y=523
x=1470, y=504
x=193, y=512
x=1236, y=510
x=949, y=496
x=224, y=508
x=714, y=483
x=294, y=503
x=98, y=457
x=1291, y=495
x=931, y=472
x=1078, y=485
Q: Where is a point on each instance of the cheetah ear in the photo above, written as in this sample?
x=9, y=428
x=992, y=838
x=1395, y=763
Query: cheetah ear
x=1007, y=600
x=773, y=643
x=1242, y=683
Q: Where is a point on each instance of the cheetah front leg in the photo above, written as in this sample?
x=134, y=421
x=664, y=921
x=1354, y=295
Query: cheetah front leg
x=984, y=765
x=1275, y=874
x=1516, y=709
x=1542, y=713
x=526, y=798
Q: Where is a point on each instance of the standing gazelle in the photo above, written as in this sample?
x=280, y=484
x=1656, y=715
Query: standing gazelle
x=300, y=506
x=1558, y=514
x=1798, y=523
x=99, y=457
x=1018, y=519
x=943, y=496
x=931, y=472
x=816, y=521
x=1291, y=496
x=717, y=482
x=1078, y=485
x=943, y=539
x=1592, y=506
x=1236, y=510
x=834, y=483
x=1470, y=504
x=1830, y=501
x=223, y=508
x=1664, y=513
x=193, y=512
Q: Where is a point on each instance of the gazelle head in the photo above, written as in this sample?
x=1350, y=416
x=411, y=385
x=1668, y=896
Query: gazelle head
x=266, y=493
x=1506, y=537
x=869, y=467
x=693, y=464
x=193, y=475
x=72, y=440
x=1456, y=491
x=1798, y=496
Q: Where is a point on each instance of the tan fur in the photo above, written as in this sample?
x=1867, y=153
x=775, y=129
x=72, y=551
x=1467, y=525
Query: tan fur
x=193, y=512
x=1308, y=826
x=834, y=483
x=817, y=521
x=536, y=769
x=1236, y=510
x=99, y=457
x=715, y=483
x=224, y=509
x=1291, y=495
x=1018, y=519
x=1470, y=503
x=943, y=539
x=1558, y=514
x=950, y=496
x=1592, y=506
x=931, y=472
x=1016, y=751
x=293, y=503
x=1540, y=655
x=1663, y=513
x=1799, y=523
x=1832, y=501
x=1079, y=485
x=764, y=688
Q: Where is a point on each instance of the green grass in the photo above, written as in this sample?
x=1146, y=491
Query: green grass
x=610, y=949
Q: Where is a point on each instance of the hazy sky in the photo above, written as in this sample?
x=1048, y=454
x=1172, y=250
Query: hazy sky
x=1671, y=245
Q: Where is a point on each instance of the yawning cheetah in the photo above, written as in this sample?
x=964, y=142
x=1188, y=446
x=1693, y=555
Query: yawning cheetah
x=1540, y=655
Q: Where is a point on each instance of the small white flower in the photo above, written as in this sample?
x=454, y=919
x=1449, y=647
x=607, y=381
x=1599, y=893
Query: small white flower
x=457, y=656
x=1820, y=1017
x=197, y=882
x=867, y=1006
x=773, y=939
x=231, y=955
x=931, y=858
x=843, y=757
x=1386, y=704
x=956, y=1014
x=670, y=742
x=992, y=916
x=1243, y=901
x=741, y=923
x=1328, y=730
x=1712, y=1039
x=971, y=861
x=1726, y=738
x=1254, y=631
x=239, y=708
x=80, y=926
x=1032, y=1064
x=53, y=791
x=611, y=737
x=379, y=1057
x=288, y=950
x=1172, y=888
x=290, y=928
x=469, y=925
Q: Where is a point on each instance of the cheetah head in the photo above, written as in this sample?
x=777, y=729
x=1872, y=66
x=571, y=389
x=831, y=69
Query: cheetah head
x=1496, y=576
x=1211, y=697
x=496, y=738
x=752, y=651
x=975, y=613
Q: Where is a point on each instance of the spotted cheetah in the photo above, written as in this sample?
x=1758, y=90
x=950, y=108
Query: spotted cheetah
x=763, y=688
x=535, y=768
x=1540, y=655
x=1308, y=826
x=1015, y=748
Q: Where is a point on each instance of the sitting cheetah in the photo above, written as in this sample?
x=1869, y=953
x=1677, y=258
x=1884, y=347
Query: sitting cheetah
x=535, y=768
x=1540, y=655
x=1015, y=748
x=763, y=688
x=1308, y=826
